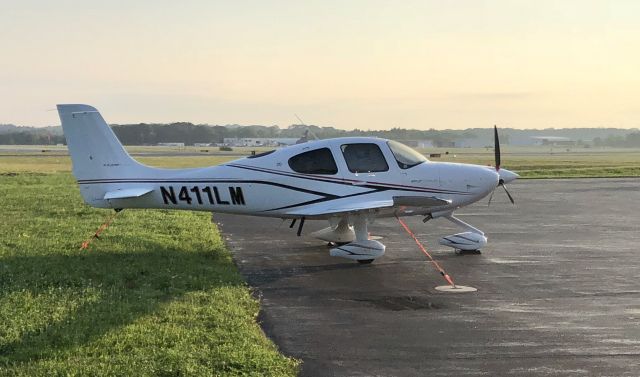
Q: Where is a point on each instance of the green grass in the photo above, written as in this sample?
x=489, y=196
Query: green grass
x=158, y=295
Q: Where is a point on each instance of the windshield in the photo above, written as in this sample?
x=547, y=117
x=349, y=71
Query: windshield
x=405, y=156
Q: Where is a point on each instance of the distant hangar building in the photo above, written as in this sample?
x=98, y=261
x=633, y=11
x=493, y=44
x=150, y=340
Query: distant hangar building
x=259, y=141
x=171, y=144
x=554, y=140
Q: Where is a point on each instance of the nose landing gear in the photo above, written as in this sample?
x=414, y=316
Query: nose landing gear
x=469, y=242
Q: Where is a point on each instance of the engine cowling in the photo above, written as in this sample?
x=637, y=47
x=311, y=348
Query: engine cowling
x=465, y=241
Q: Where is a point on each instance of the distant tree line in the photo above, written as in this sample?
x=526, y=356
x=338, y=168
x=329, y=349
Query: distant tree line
x=189, y=133
x=31, y=138
x=629, y=141
x=151, y=134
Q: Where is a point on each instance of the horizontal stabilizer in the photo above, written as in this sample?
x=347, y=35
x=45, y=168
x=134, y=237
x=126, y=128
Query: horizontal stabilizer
x=127, y=193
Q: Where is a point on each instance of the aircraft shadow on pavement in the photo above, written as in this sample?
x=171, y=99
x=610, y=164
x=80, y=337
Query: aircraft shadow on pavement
x=262, y=276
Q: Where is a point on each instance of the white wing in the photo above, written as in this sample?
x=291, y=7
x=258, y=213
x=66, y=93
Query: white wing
x=336, y=207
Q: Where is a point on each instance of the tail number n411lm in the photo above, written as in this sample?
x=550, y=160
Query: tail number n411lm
x=201, y=195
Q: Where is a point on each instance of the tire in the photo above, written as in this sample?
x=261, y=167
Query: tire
x=468, y=252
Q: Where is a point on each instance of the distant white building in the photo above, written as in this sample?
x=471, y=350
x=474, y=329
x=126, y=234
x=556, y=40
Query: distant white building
x=418, y=143
x=553, y=140
x=466, y=143
x=425, y=144
x=171, y=144
x=258, y=141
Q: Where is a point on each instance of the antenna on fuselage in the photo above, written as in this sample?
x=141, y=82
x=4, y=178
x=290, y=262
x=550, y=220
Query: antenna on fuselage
x=308, y=130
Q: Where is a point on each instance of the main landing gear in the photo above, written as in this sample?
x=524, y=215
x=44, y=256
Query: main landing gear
x=348, y=237
x=338, y=244
x=351, y=242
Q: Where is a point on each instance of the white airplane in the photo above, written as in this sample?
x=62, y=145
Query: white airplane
x=347, y=181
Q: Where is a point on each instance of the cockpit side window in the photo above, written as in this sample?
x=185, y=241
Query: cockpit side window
x=318, y=161
x=364, y=158
x=405, y=156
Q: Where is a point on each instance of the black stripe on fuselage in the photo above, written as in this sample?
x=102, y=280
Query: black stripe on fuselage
x=315, y=201
x=348, y=182
x=324, y=196
x=376, y=186
x=307, y=191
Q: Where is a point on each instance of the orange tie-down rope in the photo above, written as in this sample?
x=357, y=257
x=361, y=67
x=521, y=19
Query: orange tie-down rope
x=96, y=235
x=425, y=252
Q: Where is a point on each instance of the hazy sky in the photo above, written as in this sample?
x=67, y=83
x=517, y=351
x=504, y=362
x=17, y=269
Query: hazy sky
x=365, y=64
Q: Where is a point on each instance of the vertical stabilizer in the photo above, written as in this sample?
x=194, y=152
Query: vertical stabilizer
x=96, y=152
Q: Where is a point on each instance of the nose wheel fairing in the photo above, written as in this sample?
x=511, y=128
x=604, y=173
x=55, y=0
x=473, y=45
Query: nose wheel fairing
x=471, y=240
x=465, y=241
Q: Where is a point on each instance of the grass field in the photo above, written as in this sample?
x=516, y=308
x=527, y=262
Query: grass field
x=158, y=295
x=529, y=162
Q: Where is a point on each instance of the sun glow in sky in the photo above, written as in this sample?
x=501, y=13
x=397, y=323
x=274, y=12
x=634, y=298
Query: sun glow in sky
x=348, y=64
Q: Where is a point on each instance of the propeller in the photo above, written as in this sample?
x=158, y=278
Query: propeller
x=511, y=175
x=501, y=183
x=496, y=146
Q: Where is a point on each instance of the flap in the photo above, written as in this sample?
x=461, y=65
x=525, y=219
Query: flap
x=329, y=208
x=419, y=201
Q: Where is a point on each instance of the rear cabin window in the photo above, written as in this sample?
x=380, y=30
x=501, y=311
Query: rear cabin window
x=364, y=158
x=319, y=161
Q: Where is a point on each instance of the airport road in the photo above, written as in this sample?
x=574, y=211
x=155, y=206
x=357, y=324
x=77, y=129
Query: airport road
x=558, y=289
